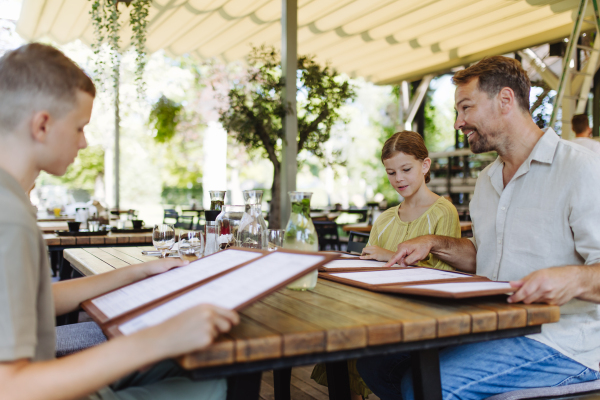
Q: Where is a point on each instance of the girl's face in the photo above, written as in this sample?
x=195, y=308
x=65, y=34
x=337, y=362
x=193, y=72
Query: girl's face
x=406, y=173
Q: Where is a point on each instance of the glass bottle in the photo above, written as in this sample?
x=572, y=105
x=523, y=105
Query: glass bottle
x=253, y=227
x=228, y=223
x=300, y=234
x=217, y=199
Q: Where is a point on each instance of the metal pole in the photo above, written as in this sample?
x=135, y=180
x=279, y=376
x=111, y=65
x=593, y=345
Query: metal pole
x=117, y=123
x=567, y=61
x=289, y=64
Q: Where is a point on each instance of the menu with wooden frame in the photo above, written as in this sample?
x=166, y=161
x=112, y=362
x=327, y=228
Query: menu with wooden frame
x=423, y=281
x=233, y=279
x=353, y=264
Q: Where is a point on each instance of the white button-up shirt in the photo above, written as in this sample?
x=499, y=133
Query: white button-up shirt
x=548, y=215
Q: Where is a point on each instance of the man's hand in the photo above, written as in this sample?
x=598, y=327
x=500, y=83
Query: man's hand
x=411, y=251
x=376, y=253
x=193, y=329
x=554, y=286
x=161, y=265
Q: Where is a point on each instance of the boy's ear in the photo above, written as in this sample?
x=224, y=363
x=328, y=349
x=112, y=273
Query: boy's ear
x=39, y=126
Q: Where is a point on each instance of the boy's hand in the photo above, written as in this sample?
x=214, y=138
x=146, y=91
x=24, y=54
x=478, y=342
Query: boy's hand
x=161, y=265
x=193, y=329
x=376, y=253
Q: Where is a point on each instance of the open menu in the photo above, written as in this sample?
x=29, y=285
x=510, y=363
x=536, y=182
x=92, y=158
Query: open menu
x=354, y=264
x=232, y=279
x=421, y=281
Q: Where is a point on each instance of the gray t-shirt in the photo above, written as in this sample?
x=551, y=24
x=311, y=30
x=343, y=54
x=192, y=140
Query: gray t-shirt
x=26, y=303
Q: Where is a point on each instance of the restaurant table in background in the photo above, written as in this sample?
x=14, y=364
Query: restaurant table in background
x=56, y=244
x=334, y=323
x=51, y=226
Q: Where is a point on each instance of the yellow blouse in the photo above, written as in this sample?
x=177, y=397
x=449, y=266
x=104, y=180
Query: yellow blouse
x=439, y=219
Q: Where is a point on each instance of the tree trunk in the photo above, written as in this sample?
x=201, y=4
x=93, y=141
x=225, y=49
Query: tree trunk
x=275, y=210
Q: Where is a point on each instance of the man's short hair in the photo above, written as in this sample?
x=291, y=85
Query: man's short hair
x=580, y=123
x=38, y=77
x=495, y=73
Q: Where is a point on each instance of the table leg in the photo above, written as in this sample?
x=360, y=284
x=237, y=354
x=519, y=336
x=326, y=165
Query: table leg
x=282, y=379
x=65, y=269
x=54, y=262
x=427, y=384
x=338, y=380
x=244, y=387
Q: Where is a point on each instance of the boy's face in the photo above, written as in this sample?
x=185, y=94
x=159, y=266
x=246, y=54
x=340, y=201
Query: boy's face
x=64, y=136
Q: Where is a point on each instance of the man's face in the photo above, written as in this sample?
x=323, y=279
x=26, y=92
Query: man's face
x=477, y=117
x=65, y=136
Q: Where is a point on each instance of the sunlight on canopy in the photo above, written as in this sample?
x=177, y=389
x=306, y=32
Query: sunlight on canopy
x=384, y=41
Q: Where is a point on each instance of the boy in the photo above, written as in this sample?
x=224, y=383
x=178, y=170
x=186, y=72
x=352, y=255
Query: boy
x=45, y=102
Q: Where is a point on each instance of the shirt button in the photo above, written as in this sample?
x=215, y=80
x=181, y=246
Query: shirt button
x=499, y=241
x=503, y=208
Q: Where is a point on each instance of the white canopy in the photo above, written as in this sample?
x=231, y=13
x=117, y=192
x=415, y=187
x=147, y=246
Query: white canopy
x=385, y=41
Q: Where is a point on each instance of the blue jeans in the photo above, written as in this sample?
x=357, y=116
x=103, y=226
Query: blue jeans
x=479, y=370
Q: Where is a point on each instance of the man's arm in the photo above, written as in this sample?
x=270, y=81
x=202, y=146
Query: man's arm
x=70, y=293
x=458, y=253
x=558, y=285
x=83, y=373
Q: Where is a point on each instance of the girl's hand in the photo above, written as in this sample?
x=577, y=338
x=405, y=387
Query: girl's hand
x=376, y=253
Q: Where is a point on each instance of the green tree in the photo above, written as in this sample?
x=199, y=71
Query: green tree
x=83, y=172
x=255, y=110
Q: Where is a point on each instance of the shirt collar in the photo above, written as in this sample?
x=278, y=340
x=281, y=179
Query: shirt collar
x=543, y=151
x=8, y=182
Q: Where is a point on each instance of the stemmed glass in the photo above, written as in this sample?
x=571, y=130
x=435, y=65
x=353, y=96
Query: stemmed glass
x=191, y=245
x=163, y=238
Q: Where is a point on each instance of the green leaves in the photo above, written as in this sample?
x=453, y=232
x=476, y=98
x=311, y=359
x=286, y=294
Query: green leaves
x=164, y=117
x=301, y=207
x=105, y=19
x=255, y=111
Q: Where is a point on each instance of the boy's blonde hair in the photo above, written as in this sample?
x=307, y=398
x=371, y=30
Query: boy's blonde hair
x=38, y=77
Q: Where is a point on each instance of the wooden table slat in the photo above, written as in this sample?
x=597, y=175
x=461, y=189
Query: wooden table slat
x=87, y=263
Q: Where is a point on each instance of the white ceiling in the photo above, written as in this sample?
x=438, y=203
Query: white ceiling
x=384, y=41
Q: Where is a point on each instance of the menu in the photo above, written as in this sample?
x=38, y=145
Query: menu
x=421, y=281
x=232, y=279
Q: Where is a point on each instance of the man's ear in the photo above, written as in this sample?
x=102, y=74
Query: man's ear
x=39, y=126
x=506, y=96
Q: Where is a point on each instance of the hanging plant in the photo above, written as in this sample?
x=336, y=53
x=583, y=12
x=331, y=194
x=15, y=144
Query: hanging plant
x=164, y=117
x=105, y=19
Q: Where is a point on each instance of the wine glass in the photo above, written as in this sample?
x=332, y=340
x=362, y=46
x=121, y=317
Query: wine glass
x=191, y=245
x=163, y=238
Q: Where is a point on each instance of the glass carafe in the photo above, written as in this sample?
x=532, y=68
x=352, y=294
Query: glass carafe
x=300, y=234
x=253, y=227
x=217, y=199
x=228, y=223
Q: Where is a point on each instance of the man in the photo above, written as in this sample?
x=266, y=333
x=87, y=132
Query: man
x=581, y=127
x=45, y=102
x=533, y=208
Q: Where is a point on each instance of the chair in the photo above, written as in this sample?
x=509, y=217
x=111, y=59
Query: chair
x=357, y=242
x=76, y=337
x=328, y=235
x=170, y=215
x=567, y=391
x=185, y=222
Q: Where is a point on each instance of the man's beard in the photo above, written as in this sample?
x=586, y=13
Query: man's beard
x=481, y=144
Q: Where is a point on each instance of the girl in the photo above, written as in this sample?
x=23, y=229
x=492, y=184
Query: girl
x=422, y=212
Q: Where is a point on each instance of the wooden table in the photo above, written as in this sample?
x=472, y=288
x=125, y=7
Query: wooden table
x=363, y=227
x=51, y=226
x=334, y=323
x=56, y=244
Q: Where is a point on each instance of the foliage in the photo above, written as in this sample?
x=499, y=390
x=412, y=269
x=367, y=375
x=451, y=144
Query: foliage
x=179, y=196
x=105, y=19
x=87, y=166
x=254, y=109
x=164, y=117
x=301, y=207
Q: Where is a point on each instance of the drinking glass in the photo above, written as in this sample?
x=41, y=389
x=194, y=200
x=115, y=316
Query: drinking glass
x=191, y=245
x=93, y=225
x=274, y=239
x=163, y=238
